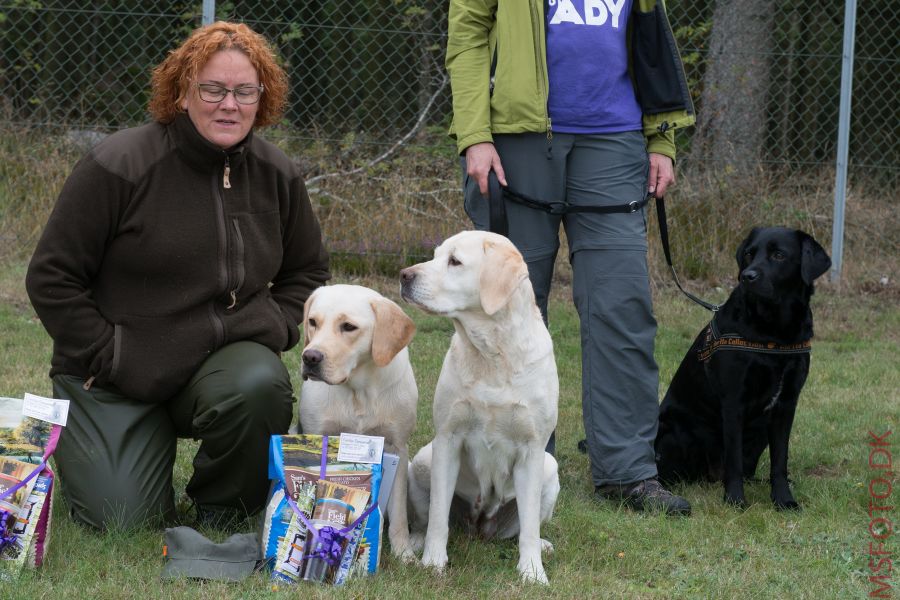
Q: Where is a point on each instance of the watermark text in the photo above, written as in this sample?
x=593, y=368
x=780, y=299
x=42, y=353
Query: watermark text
x=881, y=528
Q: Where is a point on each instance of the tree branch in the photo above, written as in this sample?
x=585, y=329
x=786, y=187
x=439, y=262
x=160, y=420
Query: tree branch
x=397, y=145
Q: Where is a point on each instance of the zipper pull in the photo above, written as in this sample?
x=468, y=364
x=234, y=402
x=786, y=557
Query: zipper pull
x=233, y=300
x=549, y=139
x=226, y=182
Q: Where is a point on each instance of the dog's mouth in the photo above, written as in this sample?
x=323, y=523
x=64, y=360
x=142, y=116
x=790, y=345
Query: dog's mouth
x=410, y=297
x=407, y=294
x=310, y=374
x=315, y=375
x=760, y=290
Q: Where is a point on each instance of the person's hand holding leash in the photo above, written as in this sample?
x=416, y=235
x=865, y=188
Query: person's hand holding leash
x=481, y=159
x=662, y=174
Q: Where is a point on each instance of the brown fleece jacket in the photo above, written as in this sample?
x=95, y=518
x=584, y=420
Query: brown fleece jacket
x=153, y=257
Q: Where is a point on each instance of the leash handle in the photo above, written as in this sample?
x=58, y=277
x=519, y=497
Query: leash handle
x=664, y=238
x=496, y=206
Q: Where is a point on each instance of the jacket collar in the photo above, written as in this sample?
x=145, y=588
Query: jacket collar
x=200, y=152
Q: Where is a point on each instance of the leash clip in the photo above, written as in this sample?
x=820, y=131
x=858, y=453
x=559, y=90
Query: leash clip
x=557, y=208
x=633, y=206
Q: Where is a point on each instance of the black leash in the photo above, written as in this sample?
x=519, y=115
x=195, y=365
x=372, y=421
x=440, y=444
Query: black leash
x=664, y=237
x=497, y=196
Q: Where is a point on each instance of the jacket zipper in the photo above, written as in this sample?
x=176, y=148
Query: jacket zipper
x=537, y=15
x=238, y=263
x=222, y=227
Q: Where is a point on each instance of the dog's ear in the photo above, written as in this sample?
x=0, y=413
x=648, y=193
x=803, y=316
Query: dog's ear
x=393, y=331
x=739, y=255
x=501, y=273
x=814, y=260
x=306, y=307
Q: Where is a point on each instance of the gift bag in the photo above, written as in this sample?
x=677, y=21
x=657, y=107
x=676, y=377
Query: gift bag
x=323, y=522
x=27, y=440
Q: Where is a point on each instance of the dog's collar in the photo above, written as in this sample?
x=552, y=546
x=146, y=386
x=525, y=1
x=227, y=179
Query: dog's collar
x=714, y=341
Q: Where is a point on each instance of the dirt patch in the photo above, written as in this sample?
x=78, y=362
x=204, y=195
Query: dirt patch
x=823, y=471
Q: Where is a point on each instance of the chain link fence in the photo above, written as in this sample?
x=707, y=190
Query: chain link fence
x=370, y=104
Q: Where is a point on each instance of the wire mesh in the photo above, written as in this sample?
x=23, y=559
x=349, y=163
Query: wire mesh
x=368, y=83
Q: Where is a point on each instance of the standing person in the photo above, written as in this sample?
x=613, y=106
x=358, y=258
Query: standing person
x=171, y=275
x=577, y=102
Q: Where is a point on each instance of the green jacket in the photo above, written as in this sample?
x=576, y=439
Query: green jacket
x=480, y=30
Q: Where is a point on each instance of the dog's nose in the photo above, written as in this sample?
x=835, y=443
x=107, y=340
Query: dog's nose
x=407, y=275
x=749, y=276
x=312, y=357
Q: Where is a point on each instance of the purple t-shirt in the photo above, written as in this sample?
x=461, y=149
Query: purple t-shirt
x=587, y=62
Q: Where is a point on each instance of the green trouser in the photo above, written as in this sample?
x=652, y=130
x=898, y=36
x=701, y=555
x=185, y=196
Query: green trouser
x=115, y=455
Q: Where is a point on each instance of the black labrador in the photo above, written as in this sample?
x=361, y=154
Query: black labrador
x=736, y=390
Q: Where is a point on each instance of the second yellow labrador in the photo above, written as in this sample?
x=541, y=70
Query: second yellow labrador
x=495, y=404
x=358, y=379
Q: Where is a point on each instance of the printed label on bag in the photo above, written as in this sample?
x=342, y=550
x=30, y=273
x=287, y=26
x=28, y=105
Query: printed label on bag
x=52, y=410
x=360, y=448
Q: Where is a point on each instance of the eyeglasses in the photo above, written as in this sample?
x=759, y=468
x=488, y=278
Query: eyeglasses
x=246, y=94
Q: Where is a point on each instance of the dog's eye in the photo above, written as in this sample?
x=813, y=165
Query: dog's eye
x=453, y=262
x=778, y=255
x=348, y=327
x=312, y=323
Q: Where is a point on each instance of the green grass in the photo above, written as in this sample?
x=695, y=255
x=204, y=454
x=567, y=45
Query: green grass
x=602, y=551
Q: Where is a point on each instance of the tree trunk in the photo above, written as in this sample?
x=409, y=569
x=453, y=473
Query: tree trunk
x=732, y=126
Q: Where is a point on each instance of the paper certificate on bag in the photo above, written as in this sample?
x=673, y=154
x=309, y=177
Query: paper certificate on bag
x=361, y=448
x=52, y=410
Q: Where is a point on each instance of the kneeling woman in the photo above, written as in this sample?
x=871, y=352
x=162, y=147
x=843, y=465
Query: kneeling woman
x=171, y=275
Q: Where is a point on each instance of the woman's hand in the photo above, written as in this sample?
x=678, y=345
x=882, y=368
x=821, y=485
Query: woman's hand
x=481, y=159
x=662, y=174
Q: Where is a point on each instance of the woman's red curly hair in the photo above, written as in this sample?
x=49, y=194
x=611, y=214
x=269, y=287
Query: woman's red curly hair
x=172, y=78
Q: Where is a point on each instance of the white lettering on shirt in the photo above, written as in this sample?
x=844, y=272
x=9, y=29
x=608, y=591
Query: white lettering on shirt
x=615, y=8
x=566, y=13
x=596, y=12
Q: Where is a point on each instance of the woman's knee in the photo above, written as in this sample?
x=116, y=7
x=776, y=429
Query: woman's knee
x=258, y=384
x=248, y=368
x=125, y=508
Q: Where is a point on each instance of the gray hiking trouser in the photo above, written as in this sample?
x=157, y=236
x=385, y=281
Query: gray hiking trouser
x=115, y=455
x=608, y=254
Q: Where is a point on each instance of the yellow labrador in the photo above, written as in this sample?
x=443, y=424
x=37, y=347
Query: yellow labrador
x=358, y=379
x=495, y=404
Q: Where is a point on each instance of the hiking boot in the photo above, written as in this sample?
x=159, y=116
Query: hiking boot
x=647, y=495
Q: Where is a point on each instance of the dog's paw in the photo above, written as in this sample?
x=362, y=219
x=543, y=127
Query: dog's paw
x=786, y=503
x=400, y=545
x=403, y=550
x=416, y=541
x=546, y=547
x=533, y=572
x=782, y=497
x=734, y=494
x=435, y=558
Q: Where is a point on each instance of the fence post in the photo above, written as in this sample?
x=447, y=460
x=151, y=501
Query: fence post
x=209, y=11
x=843, y=141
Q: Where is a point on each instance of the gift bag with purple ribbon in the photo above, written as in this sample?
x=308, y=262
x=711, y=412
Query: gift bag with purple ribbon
x=29, y=431
x=323, y=522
